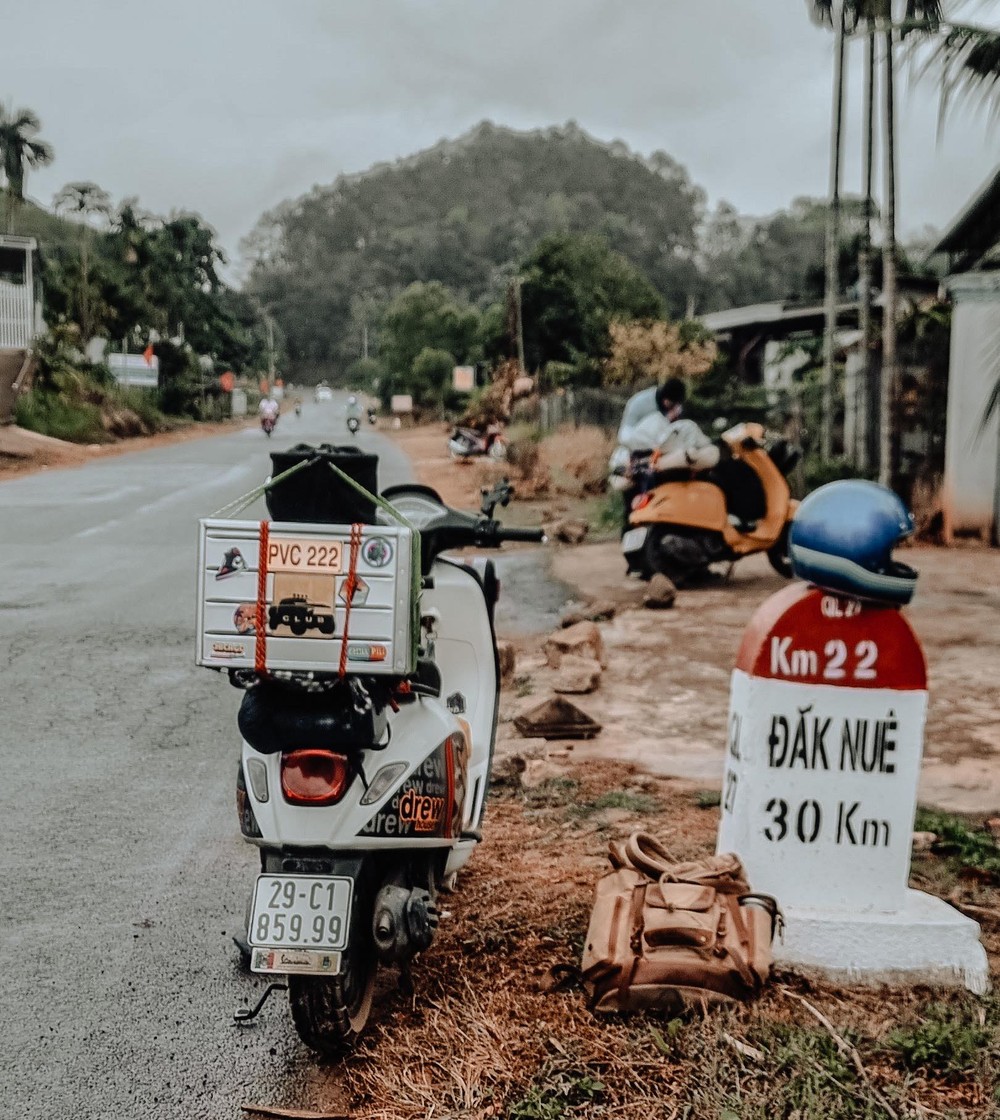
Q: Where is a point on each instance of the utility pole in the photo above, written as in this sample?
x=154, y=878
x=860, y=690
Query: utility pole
x=887, y=393
x=520, y=324
x=864, y=402
x=270, y=347
x=833, y=239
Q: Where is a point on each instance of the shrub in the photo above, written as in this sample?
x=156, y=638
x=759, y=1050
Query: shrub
x=945, y=1042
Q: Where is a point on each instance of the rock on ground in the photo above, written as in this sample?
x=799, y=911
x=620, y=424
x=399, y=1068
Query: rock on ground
x=508, y=660
x=582, y=640
x=600, y=611
x=567, y=530
x=577, y=675
x=660, y=593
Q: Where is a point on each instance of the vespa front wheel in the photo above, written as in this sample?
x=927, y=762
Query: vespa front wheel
x=331, y=1013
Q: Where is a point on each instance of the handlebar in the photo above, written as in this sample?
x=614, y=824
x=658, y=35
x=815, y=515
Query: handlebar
x=535, y=536
x=462, y=530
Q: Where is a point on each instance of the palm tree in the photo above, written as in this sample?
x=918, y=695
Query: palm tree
x=876, y=17
x=19, y=150
x=84, y=200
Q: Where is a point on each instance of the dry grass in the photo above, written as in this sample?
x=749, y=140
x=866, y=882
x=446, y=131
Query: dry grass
x=486, y=1034
x=577, y=459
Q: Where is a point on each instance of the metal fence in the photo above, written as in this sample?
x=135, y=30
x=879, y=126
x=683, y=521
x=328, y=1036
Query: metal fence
x=574, y=406
x=17, y=316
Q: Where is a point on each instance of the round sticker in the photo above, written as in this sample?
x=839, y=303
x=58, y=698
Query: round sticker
x=377, y=552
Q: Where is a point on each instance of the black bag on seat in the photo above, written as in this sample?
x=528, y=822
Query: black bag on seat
x=273, y=719
x=315, y=493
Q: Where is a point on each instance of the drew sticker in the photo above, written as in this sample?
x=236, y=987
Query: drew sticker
x=377, y=552
x=232, y=563
x=245, y=618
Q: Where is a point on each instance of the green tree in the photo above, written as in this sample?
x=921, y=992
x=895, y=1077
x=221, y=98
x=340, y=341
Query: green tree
x=572, y=287
x=83, y=202
x=20, y=149
x=426, y=316
x=430, y=377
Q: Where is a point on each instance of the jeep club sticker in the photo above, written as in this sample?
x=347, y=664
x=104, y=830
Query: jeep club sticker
x=301, y=606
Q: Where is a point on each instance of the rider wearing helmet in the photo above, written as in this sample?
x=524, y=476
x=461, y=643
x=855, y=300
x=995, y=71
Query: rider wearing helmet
x=842, y=540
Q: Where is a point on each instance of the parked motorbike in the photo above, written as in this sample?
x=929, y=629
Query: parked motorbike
x=467, y=443
x=268, y=424
x=682, y=522
x=372, y=417
x=365, y=794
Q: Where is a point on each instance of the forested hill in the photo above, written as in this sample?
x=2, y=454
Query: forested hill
x=465, y=212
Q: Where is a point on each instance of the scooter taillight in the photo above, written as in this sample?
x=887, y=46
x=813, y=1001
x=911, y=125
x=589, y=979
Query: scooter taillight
x=314, y=777
x=640, y=501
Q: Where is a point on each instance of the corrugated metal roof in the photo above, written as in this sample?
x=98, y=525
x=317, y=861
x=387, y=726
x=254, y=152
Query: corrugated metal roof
x=976, y=229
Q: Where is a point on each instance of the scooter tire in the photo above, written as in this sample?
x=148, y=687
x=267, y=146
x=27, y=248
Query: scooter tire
x=331, y=1013
x=655, y=558
x=778, y=558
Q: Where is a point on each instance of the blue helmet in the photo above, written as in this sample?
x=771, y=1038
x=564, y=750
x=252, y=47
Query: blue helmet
x=842, y=540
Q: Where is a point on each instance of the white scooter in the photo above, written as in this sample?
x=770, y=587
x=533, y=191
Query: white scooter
x=365, y=795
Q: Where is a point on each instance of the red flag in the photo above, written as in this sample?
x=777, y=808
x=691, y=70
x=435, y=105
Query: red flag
x=148, y=354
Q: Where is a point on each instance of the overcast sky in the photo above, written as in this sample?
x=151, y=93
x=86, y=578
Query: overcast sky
x=227, y=107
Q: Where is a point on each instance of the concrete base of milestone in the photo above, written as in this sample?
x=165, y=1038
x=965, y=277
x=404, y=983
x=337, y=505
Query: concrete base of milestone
x=926, y=941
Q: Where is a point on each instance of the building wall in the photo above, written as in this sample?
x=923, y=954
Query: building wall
x=972, y=448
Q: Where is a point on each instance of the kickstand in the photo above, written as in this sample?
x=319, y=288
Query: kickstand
x=729, y=571
x=406, y=986
x=244, y=1015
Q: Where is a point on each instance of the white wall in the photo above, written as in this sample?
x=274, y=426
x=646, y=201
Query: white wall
x=972, y=449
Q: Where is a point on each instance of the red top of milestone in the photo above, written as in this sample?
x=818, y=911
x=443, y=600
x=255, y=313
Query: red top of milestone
x=809, y=636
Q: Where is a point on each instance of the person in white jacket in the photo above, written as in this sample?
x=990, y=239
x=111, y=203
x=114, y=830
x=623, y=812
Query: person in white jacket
x=679, y=441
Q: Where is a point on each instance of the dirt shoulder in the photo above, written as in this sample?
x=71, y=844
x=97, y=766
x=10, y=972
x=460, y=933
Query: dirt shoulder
x=23, y=452
x=664, y=695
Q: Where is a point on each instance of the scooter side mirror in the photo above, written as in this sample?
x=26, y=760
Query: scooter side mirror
x=499, y=495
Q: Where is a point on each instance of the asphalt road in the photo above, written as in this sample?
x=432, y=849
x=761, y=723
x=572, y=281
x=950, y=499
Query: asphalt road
x=122, y=871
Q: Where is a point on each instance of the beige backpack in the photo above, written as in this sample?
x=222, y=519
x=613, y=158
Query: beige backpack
x=666, y=934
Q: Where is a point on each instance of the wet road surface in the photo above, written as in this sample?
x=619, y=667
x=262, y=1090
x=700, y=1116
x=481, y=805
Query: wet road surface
x=123, y=875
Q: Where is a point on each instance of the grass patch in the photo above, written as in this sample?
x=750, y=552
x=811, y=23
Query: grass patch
x=553, y=792
x=946, y=1042
x=558, y=1092
x=708, y=798
x=50, y=414
x=961, y=843
x=640, y=804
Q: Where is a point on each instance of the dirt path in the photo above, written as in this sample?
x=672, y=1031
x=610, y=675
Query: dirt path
x=664, y=696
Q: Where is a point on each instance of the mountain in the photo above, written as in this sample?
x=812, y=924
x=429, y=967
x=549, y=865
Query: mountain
x=465, y=212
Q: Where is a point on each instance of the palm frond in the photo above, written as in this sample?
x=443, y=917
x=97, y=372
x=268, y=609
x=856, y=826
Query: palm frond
x=966, y=62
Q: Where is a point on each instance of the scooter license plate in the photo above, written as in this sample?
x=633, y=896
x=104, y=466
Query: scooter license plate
x=306, y=912
x=634, y=539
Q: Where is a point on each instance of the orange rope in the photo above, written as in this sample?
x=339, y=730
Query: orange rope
x=260, y=631
x=350, y=586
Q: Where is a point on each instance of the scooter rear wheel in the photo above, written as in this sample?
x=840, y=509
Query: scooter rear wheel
x=330, y=1014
